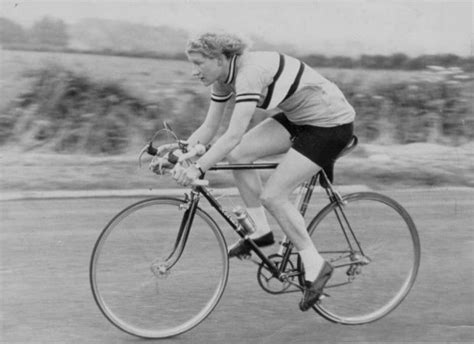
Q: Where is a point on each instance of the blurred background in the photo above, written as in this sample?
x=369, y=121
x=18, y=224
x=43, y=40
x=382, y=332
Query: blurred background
x=85, y=84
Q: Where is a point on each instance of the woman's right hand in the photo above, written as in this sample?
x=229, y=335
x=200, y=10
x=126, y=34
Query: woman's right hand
x=159, y=164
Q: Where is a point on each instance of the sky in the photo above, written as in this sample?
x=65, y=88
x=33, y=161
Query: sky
x=338, y=27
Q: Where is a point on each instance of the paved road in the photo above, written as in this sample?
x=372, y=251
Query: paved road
x=45, y=295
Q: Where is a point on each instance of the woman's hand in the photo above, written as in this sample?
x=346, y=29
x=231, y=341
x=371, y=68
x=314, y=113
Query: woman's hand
x=185, y=175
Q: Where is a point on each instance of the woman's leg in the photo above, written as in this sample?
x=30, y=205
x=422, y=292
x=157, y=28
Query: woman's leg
x=291, y=172
x=266, y=139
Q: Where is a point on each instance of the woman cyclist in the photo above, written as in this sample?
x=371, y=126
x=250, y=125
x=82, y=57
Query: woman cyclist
x=314, y=124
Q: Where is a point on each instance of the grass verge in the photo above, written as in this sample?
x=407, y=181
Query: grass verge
x=379, y=167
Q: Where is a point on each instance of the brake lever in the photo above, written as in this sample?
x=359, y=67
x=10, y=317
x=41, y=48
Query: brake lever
x=147, y=149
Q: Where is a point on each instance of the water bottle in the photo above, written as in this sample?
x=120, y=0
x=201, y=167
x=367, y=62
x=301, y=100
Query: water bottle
x=245, y=221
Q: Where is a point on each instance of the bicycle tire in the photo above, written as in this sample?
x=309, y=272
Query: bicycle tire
x=388, y=238
x=130, y=285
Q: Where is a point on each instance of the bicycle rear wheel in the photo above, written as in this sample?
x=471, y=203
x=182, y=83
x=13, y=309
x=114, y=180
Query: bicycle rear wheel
x=135, y=284
x=373, y=277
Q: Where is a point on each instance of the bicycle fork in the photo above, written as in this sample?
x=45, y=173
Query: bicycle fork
x=161, y=267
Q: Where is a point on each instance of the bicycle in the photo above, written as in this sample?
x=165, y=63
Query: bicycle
x=160, y=266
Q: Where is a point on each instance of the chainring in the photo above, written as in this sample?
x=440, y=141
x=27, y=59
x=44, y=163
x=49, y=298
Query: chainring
x=272, y=284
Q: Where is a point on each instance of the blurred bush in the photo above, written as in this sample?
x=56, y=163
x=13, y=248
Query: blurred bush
x=436, y=108
x=67, y=112
x=397, y=61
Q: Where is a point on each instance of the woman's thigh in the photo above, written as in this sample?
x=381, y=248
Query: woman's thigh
x=293, y=169
x=267, y=138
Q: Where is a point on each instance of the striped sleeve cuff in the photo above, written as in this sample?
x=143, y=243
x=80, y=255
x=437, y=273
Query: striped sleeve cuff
x=220, y=98
x=247, y=97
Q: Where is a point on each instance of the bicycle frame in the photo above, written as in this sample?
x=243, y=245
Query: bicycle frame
x=278, y=272
x=286, y=247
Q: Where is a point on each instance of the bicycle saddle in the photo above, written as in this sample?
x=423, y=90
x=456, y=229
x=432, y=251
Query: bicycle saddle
x=329, y=169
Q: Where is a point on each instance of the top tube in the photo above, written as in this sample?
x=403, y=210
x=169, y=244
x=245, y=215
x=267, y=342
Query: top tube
x=252, y=166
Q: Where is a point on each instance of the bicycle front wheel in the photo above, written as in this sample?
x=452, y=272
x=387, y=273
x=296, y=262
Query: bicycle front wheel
x=374, y=246
x=141, y=280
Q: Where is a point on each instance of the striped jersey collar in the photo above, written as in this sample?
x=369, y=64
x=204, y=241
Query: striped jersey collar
x=231, y=74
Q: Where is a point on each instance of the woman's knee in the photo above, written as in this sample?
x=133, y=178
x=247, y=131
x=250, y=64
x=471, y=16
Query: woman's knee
x=272, y=200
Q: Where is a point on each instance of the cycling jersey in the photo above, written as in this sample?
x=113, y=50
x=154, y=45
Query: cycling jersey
x=274, y=80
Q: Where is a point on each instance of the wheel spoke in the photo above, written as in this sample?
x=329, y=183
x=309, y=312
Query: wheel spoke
x=135, y=286
x=369, y=283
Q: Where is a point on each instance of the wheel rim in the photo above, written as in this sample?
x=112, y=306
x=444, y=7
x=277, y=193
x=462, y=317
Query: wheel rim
x=390, y=242
x=125, y=269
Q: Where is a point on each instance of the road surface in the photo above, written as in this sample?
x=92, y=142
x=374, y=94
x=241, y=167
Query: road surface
x=46, y=298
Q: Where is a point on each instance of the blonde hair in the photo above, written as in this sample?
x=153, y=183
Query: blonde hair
x=212, y=45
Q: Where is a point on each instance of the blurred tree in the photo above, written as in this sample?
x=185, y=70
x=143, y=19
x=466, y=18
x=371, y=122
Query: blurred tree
x=316, y=60
x=11, y=32
x=419, y=62
x=342, y=62
x=50, y=31
x=367, y=61
x=449, y=60
x=382, y=62
x=398, y=61
x=468, y=63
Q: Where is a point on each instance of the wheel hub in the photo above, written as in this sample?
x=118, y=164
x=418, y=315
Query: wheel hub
x=159, y=268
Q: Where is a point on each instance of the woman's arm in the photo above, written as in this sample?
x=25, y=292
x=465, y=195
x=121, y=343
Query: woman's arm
x=238, y=125
x=208, y=128
x=239, y=122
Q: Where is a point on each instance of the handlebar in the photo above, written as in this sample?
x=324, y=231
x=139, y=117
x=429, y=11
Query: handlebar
x=196, y=150
x=173, y=155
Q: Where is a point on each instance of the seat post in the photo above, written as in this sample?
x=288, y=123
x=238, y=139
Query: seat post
x=332, y=193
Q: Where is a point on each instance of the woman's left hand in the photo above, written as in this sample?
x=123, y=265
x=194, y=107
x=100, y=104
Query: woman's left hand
x=185, y=175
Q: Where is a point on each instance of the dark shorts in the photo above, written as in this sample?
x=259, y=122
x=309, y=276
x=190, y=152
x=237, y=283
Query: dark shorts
x=320, y=145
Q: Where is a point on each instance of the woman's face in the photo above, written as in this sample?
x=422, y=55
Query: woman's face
x=208, y=70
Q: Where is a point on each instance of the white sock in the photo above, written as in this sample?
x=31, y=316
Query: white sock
x=261, y=222
x=312, y=262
